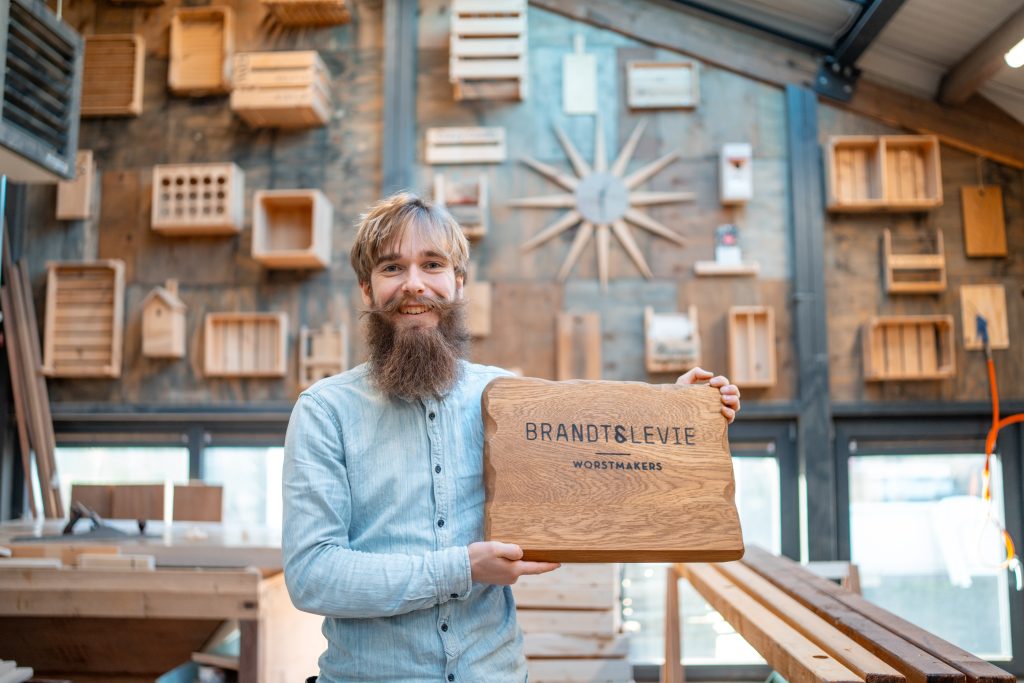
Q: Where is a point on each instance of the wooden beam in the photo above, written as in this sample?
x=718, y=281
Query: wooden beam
x=983, y=62
x=662, y=23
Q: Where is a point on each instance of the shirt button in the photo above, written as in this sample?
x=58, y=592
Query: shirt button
x=437, y=468
x=455, y=595
x=444, y=627
x=431, y=416
x=440, y=522
x=451, y=677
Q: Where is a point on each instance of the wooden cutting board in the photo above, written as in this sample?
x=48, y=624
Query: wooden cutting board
x=599, y=471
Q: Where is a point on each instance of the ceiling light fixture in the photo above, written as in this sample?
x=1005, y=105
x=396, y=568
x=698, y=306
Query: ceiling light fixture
x=1015, y=56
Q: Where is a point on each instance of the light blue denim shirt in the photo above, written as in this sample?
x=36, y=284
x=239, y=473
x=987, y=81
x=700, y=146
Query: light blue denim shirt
x=381, y=499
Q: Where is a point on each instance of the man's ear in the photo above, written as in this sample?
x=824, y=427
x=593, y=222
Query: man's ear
x=459, y=282
x=364, y=289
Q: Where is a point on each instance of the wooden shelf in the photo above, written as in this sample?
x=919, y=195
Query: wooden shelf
x=202, y=42
x=245, y=344
x=716, y=269
x=281, y=89
x=914, y=273
x=307, y=12
x=662, y=85
x=883, y=173
x=292, y=228
x=322, y=353
x=909, y=347
x=198, y=199
x=112, y=75
x=84, y=319
x=488, y=50
x=752, y=346
x=671, y=340
x=467, y=202
x=74, y=197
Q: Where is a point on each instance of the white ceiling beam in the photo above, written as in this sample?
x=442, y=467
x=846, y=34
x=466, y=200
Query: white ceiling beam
x=982, y=63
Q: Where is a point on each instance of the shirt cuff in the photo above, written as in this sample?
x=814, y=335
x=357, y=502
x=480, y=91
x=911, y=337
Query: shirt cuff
x=456, y=576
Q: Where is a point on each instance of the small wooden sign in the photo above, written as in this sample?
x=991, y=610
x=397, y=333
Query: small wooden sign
x=989, y=302
x=465, y=146
x=598, y=471
x=662, y=85
x=984, y=221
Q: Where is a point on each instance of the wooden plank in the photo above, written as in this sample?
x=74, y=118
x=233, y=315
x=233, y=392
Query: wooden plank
x=198, y=502
x=593, y=586
x=672, y=669
x=137, y=501
x=989, y=302
x=578, y=339
x=74, y=197
x=67, y=553
x=984, y=221
x=560, y=645
x=579, y=670
x=18, y=390
x=597, y=623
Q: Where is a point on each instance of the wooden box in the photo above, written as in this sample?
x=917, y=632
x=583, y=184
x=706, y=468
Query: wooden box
x=84, y=319
x=466, y=201
x=245, y=344
x=909, y=347
x=465, y=146
x=74, y=197
x=854, y=170
x=307, y=12
x=589, y=471
x=578, y=350
x=752, y=346
x=281, y=89
x=202, y=42
x=914, y=273
x=883, y=173
x=662, y=85
x=198, y=199
x=488, y=51
x=322, y=353
x=112, y=75
x=671, y=340
x=163, y=323
x=292, y=228
x=988, y=301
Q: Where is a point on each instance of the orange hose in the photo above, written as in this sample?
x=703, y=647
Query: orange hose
x=990, y=444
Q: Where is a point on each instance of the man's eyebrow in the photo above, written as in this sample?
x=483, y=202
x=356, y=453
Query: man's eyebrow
x=434, y=254
x=388, y=257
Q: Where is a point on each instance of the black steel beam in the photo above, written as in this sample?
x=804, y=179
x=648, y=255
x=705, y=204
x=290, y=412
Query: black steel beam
x=872, y=20
x=399, y=134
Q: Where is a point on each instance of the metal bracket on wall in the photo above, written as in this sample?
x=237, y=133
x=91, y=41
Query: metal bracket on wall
x=835, y=80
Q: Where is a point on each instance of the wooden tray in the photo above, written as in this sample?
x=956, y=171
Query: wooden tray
x=202, y=42
x=909, y=347
x=752, y=346
x=245, y=344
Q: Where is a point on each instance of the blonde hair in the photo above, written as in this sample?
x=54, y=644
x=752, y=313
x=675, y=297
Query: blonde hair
x=385, y=224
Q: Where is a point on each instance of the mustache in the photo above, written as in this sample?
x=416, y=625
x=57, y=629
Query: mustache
x=431, y=303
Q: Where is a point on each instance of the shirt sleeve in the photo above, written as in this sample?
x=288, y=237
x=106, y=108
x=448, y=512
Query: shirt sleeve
x=324, y=576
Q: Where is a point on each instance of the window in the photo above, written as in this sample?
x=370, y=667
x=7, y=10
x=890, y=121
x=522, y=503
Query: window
x=251, y=477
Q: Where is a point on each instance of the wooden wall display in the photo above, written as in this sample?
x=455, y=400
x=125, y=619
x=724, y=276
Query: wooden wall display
x=74, y=197
x=198, y=199
x=292, y=228
x=578, y=346
x=112, y=75
x=322, y=353
x=883, y=173
x=202, y=43
x=467, y=201
x=909, y=347
x=281, y=89
x=914, y=273
x=465, y=146
x=662, y=85
x=163, y=323
x=671, y=340
x=239, y=344
x=984, y=220
x=752, y=346
x=307, y=12
x=84, y=319
x=988, y=301
x=488, y=50
x=594, y=472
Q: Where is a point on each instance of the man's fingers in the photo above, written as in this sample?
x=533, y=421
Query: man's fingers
x=509, y=551
x=526, y=567
x=729, y=413
x=693, y=375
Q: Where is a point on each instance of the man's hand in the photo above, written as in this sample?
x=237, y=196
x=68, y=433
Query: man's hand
x=730, y=392
x=502, y=563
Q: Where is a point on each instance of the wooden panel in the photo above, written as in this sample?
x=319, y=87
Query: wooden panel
x=914, y=273
x=137, y=501
x=198, y=502
x=288, y=641
x=74, y=197
x=752, y=346
x=662, y=85
x=292, y=228
x=713, y=268
x=671, y=340
x=608, y=471
x=322, y=353
x=573, y=586
x=202, y=43
x=198, y=199
x=909, y=347
x=984, y=220
x=602, y=624
x=989, y=302
x=465, y=146
x=578, y=339
x=307, y=12
x=96, y=497
x=67, y=553
x=112, y=75
x=245, y=344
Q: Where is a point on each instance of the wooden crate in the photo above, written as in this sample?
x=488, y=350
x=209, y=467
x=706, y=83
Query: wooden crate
x=988, y=301
x=466, y=201
x=662, y=85
x=322, y=353
x=854, y=173
x=671, y=340
x=883, y=173
x=292, y=228
x=752, y=346
x=912, y=175
x=84, y=319
x=465, y=146
x=909, y=347
x=163, y=323
x=488, y=50
x=307, y=12
x=578, y=350
x=112, y=75
x=984, y=220
x=198, y=199
x=914, y=273
x=281, y=89
x=245, y=344
x=202, y=43
x=75, y=197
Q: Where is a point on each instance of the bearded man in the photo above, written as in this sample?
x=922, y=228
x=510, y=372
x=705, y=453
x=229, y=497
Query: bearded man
x=383, y=476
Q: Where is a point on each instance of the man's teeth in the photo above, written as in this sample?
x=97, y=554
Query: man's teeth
x=413, y=310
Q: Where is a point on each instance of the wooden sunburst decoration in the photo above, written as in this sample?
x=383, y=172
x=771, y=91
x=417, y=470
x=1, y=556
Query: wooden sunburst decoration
x=602, y=200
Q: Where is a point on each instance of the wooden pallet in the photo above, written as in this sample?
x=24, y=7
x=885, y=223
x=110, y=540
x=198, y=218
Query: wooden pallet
x=662, y=85
x=467, y=202
x=112, y=75
x=671, y=340
x=84, y=319
x=245, y=344
x=75, y=197
x=752, y=346
x=488, y=50
x=322, y=353
x=198, y=199
x=202, y=43
x=281, y=89
x=292, y=228
x=883, y=173
x=914, y=273
x=307, y=12
x=909, y=347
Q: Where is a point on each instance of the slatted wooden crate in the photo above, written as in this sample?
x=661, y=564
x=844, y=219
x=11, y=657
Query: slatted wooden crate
x=662, y=85
x=883, y=173
x=307, y=12
x=112, y=75
x=488, y=51
x=281, y=89
x=75, y=197
x=909, y=347
x=202, y=43
x=84, y=319
x=198, y=199
x=322, y=353
x=671, y=340
x=457, y=145
x=245, y=344
x=912, y=178
x=292, y=228
x=914, y=273
x=752, y=346
x=467, y=201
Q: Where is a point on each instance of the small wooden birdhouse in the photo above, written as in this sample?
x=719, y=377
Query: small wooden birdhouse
x=163, y=323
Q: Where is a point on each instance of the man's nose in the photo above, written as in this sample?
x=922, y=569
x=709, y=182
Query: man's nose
x=413, y=282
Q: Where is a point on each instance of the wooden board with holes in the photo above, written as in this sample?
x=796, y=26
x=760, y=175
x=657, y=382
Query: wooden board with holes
x=578, y=339
x=593, y=471
x=984, y=220
x=989, y=302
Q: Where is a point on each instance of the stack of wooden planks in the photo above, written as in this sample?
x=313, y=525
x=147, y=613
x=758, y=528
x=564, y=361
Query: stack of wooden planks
x=281, y=89
x=810, y=629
